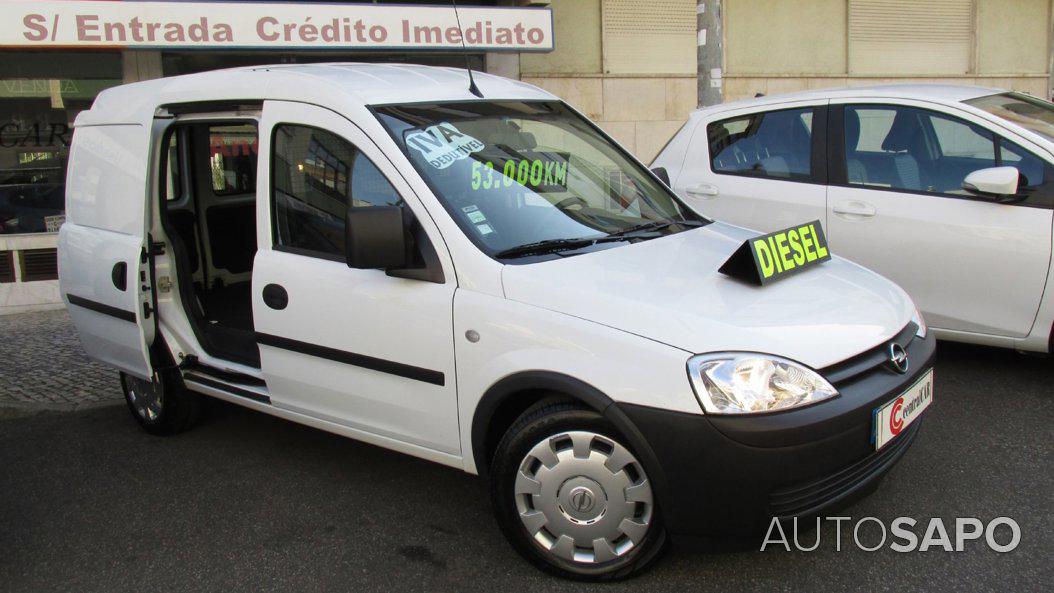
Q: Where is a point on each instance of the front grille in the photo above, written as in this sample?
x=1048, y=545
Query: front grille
x=39, y=264
x=807, y=497
x=867, y=361
x=7, y=266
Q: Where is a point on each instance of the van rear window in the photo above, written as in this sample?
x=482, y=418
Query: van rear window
x=232, y=158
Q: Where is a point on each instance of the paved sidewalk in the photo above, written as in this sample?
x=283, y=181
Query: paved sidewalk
x=43, y=365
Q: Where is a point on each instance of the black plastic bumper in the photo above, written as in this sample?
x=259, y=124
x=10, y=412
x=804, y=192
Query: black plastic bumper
x=722, y=476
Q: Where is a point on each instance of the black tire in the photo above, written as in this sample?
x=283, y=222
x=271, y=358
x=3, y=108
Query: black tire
x=535, y=425
x=176, y=409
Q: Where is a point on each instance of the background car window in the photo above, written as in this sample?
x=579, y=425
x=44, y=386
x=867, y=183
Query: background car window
x=232, y=158
x=1024, y=110
x=1036, y=173
x=776, y=144
x=317, y=176
x=913, y=149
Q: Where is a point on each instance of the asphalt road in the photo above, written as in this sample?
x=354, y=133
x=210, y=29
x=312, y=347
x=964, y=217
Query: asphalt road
x=246, y=502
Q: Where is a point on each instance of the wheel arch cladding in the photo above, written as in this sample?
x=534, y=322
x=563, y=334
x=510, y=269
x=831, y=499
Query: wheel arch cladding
x=510, y=397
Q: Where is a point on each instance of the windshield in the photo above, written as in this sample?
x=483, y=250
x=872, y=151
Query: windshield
x=1026, y=111
x=532, y=179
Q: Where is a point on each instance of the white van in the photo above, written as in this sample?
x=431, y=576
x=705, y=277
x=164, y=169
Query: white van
x=482, y=278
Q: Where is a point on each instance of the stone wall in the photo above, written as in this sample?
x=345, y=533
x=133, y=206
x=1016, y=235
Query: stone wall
x=641, y=112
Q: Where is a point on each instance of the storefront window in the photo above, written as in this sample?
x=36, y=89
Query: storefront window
x=41, y=94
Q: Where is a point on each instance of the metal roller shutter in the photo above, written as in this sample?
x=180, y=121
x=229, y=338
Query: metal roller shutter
x=934, y=37
x=38, y=264
x=7, y=266
x=649, y=37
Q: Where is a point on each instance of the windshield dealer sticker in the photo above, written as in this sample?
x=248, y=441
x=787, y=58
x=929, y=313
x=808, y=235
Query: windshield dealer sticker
x=474, y=215
x=443, y=144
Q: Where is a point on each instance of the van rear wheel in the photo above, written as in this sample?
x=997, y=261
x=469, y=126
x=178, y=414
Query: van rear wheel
x=162, y=406
x=572, y=498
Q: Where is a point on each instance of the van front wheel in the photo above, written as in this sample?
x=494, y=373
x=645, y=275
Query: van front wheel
x=572, y=498
x=162, y=406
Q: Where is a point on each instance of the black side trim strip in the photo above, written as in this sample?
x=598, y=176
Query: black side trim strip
x=359, y=360
x=222, y=375
x=228, y=388
x=91, y=305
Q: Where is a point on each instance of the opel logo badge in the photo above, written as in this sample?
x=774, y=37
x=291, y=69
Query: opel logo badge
x=898, y=358
x=582, y=499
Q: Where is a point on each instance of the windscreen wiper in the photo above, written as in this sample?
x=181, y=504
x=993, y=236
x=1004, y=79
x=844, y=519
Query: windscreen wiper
x=556, y=245
x=654, y=226
x=553, y=246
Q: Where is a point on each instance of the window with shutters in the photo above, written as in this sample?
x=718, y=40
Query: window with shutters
x=910, y=37
x=38, y=264
x=649, y=37
x=7, y=266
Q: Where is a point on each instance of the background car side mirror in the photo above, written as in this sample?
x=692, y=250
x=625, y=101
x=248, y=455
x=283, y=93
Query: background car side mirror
x=662, y=174
x=375, y=238
x=999, y=183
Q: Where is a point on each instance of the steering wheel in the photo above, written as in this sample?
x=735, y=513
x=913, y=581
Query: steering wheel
x=566, y=203
x=552, y=215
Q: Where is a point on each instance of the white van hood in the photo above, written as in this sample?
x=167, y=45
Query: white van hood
x=669, y=290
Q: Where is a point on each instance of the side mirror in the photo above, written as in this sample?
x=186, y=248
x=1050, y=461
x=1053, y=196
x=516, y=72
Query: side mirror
x=999, y=183
x=375, y=238
x=662, y=174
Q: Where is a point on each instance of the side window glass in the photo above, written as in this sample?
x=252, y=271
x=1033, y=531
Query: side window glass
x=913, y=149
x=369, y=186
x=776, y=144
x=316, y=176
x=1035, y=172
x=962, y=148
x=232, y=158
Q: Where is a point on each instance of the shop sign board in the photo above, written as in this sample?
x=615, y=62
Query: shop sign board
x=272, y=25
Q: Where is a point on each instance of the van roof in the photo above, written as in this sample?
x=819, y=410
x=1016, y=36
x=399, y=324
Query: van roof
x=333, y=85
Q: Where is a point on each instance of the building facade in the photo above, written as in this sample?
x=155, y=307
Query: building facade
x=778, y=46
x=630, y=65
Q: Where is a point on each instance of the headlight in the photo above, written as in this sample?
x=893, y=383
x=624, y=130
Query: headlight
x=749, y=383
x=919, y=321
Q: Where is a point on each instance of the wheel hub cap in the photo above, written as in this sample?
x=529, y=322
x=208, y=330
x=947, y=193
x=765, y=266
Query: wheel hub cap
x=145, y=397
x=582, y=500
x=583, y=497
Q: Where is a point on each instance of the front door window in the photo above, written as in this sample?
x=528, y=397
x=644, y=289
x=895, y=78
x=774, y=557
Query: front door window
x=914, y=150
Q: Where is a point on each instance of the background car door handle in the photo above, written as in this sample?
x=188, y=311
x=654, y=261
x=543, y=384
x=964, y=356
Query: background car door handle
x=854, y=209
x=702, y=190
x=275, y=297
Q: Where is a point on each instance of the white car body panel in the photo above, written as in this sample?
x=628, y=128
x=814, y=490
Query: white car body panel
x=669, y=290
x=117, y=343
x=516, y=337
x=106, y=213
x=978, y=270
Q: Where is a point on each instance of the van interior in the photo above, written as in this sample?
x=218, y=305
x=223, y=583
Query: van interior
x=208, y=213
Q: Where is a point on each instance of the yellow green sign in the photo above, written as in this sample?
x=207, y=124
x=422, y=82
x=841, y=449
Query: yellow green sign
x=777, y=255
x=538, y=171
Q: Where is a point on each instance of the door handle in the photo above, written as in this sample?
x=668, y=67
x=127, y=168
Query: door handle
x=702, y=190
x=854, y=209
x=275, y=297
x=119, y=276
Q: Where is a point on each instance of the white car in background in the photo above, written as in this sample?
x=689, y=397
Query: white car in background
x=947, y=190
